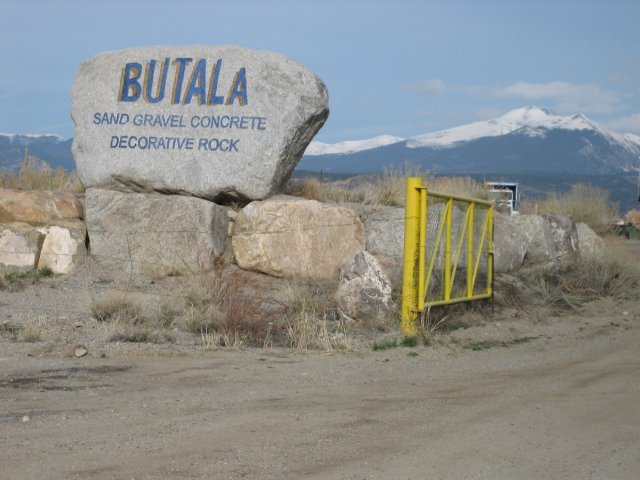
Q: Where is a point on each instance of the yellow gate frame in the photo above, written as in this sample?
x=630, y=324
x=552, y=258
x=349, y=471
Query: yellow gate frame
x=415, y=278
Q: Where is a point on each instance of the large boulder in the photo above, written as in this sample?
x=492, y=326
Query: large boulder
x=540, y=245
x=20, y=245
x=384, y=229
x=591, y=244
x=38, y=206
x=154, y=234
x=209, y=121
x=509, y=244
x=292, y=237
x=64, y=246
x=364, y=291
x=565, y=237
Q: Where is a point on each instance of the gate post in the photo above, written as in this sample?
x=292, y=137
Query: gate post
x=410, y=268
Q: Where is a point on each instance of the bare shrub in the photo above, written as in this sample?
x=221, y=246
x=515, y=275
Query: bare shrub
x=309, y=188
x=615, y=273
x=220, y=305
x=311, y=320
x=37, y=175
x=463, y=186
x=583, y=203
x=115, y=306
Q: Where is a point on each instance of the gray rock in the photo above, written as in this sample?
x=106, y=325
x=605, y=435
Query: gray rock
x=509, y=244
x=565, y=237
x=235, y=123
x=154, y=234
x=364, y=291
x=384, y=229
x=591, y=245
x=292, y=237
x=540, y=249
x=20, y=246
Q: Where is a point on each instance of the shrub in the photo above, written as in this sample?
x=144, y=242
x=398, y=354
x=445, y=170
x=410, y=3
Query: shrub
x=584, y=203
x=614, y=273
x=37, y=175
x=115, y=307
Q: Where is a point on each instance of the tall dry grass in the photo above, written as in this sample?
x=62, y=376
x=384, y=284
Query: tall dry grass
x=584, y=203
x=387, y=188
x=37, y=175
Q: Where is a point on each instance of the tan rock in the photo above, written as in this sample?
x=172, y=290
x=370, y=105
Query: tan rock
x=20, y=245
x=292, y=237
x=38, y=206
x=64, y=246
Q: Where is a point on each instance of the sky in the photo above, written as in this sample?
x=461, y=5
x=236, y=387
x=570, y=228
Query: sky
x=397, y=67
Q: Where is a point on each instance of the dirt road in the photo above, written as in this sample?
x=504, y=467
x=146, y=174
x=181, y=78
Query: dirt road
x=557, y=406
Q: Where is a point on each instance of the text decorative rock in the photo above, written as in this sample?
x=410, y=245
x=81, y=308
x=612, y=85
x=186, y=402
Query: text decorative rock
x=209, y=121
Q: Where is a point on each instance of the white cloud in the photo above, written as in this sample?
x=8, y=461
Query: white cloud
x=568, y=97
x=429, y=86
x=628, y=124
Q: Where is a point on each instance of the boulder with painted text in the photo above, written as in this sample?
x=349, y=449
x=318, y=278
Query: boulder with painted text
x=215, y=122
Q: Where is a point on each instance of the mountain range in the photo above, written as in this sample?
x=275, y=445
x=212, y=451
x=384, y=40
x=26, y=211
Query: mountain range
x=529, y=140
x=526, y=140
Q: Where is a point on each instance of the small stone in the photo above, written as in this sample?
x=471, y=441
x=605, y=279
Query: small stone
x=80, y=352
x=77, y=325
x=26, y=419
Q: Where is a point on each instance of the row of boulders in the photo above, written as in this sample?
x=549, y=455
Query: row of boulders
x=153, y=234
x=41, y=229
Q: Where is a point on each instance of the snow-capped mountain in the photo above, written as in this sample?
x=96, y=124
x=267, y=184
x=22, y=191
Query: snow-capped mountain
x=525, y=140
x=53, y=149
x=351, y=146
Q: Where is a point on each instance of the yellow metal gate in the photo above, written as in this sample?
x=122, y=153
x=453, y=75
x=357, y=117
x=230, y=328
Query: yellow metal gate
x=437, y=269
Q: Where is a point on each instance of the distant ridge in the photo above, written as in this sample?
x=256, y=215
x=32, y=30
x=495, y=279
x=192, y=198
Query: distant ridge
x=525, y=140
x=53, y=149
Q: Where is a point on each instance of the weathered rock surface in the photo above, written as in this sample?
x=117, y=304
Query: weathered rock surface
x=565, y=237
x=384, y=230
x=540, y=245
x=64, y=246
x=591, y=244
x=292, y=237
x=210, y=121
x=154, y=234
x=364, y=291
x=38, y=206
x=509, y=244
x=20, y=245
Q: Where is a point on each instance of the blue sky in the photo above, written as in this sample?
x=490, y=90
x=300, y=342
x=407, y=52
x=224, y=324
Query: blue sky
x=396, y=67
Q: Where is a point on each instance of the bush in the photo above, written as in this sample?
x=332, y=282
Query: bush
x=584, y=203
x=615, y=273
x=37, y=175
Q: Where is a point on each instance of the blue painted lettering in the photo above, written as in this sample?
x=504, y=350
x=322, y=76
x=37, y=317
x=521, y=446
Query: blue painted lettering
x=130, y=88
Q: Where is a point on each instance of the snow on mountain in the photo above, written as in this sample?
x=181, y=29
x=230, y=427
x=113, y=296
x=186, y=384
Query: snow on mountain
x=531, y=120
x=31, y=136
x=351, y=146
x=632, y=138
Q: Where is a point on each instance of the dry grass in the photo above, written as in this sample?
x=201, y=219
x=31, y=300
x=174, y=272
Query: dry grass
x=584, y=203
x=615, y=273
x=220, y=310
x=311, y=320
x=37, y=175
x=385, y=189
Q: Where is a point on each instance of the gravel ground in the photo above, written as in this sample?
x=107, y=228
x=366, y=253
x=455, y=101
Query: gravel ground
x=520, y=396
